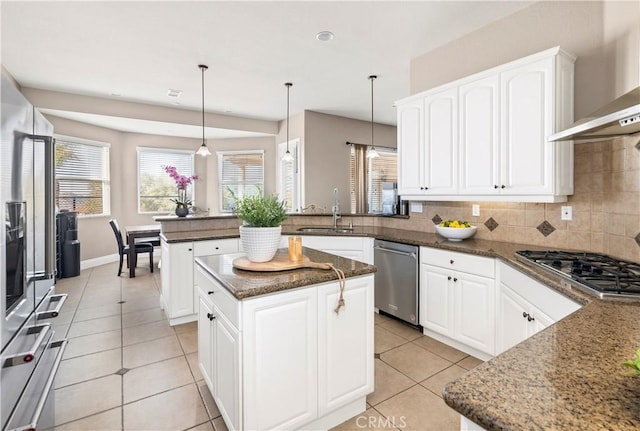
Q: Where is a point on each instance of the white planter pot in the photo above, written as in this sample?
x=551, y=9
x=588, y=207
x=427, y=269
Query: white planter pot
x=260, y=243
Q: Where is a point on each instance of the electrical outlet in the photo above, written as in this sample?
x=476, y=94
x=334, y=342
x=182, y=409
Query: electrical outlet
x=416, y=207
x=566, y=213
x=475, y=210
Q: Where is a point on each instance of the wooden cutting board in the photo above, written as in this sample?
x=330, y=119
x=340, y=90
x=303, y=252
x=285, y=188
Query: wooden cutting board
x=280, y=262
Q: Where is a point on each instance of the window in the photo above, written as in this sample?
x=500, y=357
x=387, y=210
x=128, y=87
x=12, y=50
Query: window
x=82, y=176
x=155, y=186
x=367, y=177
x=241, y=172
x=289, y=176
x=381, y=169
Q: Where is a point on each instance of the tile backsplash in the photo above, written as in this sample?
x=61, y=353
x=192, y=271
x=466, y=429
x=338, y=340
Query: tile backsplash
x=606, y=207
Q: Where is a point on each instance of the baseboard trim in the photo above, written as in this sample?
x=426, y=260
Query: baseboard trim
x=103, y=260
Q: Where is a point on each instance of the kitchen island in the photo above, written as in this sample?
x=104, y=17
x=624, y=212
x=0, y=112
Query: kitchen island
x=275, y=351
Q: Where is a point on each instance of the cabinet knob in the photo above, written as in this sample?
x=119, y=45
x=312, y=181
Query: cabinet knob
x=217, y=248
x=421, y=188
x=211, y=292
x=190, y=249
x=530, y=318
x=503, y=186
x=210, y=316
x=451, y=261
x=495, y=186
x=449, y=278
x=455, y=279
x=525, y=314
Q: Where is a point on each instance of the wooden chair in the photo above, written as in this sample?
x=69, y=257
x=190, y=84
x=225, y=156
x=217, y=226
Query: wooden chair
x=123, y=250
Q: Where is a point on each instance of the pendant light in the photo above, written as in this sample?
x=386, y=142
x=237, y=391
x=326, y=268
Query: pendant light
x=203, y=150
x=288, y=157
x=372, y=153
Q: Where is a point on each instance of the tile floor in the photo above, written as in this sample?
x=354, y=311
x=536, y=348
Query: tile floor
x=125, y=368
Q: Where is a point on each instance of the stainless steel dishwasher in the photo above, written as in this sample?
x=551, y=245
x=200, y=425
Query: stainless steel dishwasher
x=396, y=281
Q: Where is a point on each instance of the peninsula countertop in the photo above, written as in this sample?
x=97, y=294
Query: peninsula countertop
x=246, y=284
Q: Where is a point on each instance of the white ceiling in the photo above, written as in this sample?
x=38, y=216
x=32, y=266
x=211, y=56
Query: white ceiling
x=139, y=50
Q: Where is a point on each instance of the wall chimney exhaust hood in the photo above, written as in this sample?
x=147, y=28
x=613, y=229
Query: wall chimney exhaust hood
x=620, y=117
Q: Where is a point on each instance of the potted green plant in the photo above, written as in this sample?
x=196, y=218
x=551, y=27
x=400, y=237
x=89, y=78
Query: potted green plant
x=262, y=216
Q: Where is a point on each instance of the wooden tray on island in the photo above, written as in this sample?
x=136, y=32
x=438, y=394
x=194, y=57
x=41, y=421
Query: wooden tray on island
x=280, y=262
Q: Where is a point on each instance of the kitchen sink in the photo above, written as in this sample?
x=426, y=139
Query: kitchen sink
x=326, y=229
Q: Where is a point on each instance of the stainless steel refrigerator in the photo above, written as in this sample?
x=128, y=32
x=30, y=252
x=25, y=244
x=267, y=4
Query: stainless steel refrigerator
x=30, y=356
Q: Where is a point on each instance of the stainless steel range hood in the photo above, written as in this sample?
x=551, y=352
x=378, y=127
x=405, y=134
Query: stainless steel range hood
x=620, y=117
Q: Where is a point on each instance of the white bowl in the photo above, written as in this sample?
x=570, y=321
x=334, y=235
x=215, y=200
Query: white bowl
x=456, y=233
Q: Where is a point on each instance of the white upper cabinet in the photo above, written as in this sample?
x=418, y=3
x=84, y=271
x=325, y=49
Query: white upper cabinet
x=410, y=133
x=480, y=136
x=485, y=136
x=526, y=119
x=440, y=163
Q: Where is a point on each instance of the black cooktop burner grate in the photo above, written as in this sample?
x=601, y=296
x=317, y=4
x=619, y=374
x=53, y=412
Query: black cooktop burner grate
x=602, y=273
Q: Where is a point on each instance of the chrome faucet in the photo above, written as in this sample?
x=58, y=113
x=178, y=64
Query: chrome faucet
x=335, y=209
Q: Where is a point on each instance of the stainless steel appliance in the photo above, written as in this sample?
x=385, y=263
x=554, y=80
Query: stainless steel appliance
x=396, y=281
x=595, y=273
x=29, y=357
x=620, y=117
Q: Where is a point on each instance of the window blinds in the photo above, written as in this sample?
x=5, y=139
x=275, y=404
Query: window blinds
x=82, y=177
x=367, y=176
x=381, y=169
x=155, y=187
x=241, y=173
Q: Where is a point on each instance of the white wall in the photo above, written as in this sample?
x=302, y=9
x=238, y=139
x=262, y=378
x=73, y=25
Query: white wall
x=327, y=154
x=605, y=36
x=94, y=233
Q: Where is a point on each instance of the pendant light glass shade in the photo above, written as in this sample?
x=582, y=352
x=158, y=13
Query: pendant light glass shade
x=288, y=157
x=203, y=150
x=372, y=153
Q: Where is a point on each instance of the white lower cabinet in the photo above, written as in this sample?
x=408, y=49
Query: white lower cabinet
x=205, y=339
x=179, y=298
x=526, y=307
x=287, y=360
x=482, y=306
x=456, y=304
x=345, y=345
x=225, y=358
x=280, y=360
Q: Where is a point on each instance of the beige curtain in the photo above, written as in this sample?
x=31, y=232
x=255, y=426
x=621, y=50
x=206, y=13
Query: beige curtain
x=359, y=178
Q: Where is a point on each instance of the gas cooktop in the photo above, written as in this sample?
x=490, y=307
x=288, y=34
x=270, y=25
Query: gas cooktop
x=603, y=275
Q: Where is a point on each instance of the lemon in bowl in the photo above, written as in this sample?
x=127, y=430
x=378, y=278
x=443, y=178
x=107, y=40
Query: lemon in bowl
x=455, y=230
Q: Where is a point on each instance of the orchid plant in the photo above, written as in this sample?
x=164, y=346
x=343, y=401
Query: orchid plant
x=182, y=181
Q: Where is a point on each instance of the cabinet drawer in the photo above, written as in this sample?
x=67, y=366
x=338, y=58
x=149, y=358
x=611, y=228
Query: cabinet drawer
x=552, y=303
x=220, y=298
x=478, y=265
x=218, y=246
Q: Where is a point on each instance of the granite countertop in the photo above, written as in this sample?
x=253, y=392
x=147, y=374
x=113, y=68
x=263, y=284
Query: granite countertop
x=567, y=377
x=503, y=250
x=246, y=284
